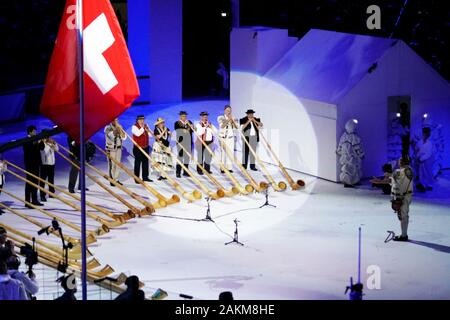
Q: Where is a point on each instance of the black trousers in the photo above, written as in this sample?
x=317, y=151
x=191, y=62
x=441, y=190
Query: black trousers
x=247, y=154
x=73, y=175
x=47, y=173
x=141, y=160
x=30, y=190
x=184, y=158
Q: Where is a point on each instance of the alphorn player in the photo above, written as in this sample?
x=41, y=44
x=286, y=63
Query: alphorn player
x=227, y=124
x=250, y=126
x=32, y=159
x=160, y=154
x=141, y=135
x=75, y=155
x=183, y=128
x=204, y=131
x=114, y=137
x=48, y=166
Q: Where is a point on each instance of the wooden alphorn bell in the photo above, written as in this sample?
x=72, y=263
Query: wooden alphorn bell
x=73, y=254
x=106, y=224
x=248, y=188
x=42, y=226
x=214, y=195
x=281, y=186
x=196, y=195
x=295, y=185
x=229, y=193
x=148, y=207
x=258, y=187
x=162, y=201
x=91, y=235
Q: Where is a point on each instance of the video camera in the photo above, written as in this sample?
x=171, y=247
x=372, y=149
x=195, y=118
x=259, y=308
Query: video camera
x=31, y=255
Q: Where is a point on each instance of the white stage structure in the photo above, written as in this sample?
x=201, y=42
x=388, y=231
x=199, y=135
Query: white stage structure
x=306, y=90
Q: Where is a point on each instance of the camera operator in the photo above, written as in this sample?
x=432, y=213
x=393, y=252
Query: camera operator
x=10, y=289
x=28, y=279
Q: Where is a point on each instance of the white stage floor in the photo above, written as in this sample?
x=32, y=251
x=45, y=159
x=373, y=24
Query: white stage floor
x=305, y=248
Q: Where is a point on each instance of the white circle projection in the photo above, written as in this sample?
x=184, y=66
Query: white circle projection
x=286, y=122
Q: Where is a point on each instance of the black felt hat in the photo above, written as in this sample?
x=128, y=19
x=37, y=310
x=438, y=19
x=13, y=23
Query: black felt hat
x=250, y=111
x=204, y=113
x=181, y=113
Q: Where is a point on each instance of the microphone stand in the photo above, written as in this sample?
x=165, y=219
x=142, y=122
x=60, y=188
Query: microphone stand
x=62, y=266
x=236, y=235
x=208, y=210
x=266, y=191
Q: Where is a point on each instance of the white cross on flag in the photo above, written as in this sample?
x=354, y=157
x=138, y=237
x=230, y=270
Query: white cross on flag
x=110, y=84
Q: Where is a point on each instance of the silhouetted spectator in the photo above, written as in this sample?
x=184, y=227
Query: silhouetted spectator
x=133, y=293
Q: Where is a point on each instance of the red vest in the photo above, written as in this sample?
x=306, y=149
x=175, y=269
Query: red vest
x=142, y=140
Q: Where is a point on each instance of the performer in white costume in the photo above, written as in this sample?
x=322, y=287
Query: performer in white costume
x=402, y=189
x=351, y=155
x=114, y=137
x=227, y=124
x=424, y=161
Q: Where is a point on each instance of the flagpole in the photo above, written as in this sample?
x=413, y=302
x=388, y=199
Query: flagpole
x=79, y=15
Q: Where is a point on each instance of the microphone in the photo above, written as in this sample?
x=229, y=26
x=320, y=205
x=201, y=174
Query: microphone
x=44, y=230
x=55, y=224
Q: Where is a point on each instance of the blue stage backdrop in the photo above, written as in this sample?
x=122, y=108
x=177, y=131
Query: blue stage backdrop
x=155, y=43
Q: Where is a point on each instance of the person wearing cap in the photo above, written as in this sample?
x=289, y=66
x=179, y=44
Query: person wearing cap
x=183, y=128
x=141, y=135
x=250, y=127
x=424, y=161
x=114, y=137
x=227, y=125
x=161, y=148
x=204, y=131
x=3, y=167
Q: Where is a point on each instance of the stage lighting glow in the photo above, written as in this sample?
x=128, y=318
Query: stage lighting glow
x=398, y=115
x=425, y=115
x=355, y=121
x=223, y=14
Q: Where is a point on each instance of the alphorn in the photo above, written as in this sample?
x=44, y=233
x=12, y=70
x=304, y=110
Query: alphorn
x=107, y=224
x=148, y=207
x=196, y=195
x=42, y=226
x=248, y=188
x=214, y=195
x=281, y=186
x=229, y=193
x=258, y=187
x=75, y=255
x=295, y=185
x=163, y=201
x=90, y=234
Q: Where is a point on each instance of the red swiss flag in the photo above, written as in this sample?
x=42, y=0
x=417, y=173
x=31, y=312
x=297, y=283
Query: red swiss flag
x=110, y=84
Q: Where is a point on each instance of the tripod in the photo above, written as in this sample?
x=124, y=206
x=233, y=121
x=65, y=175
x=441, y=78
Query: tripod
x=236, y=235
x=208, y=210
x=267, y=200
